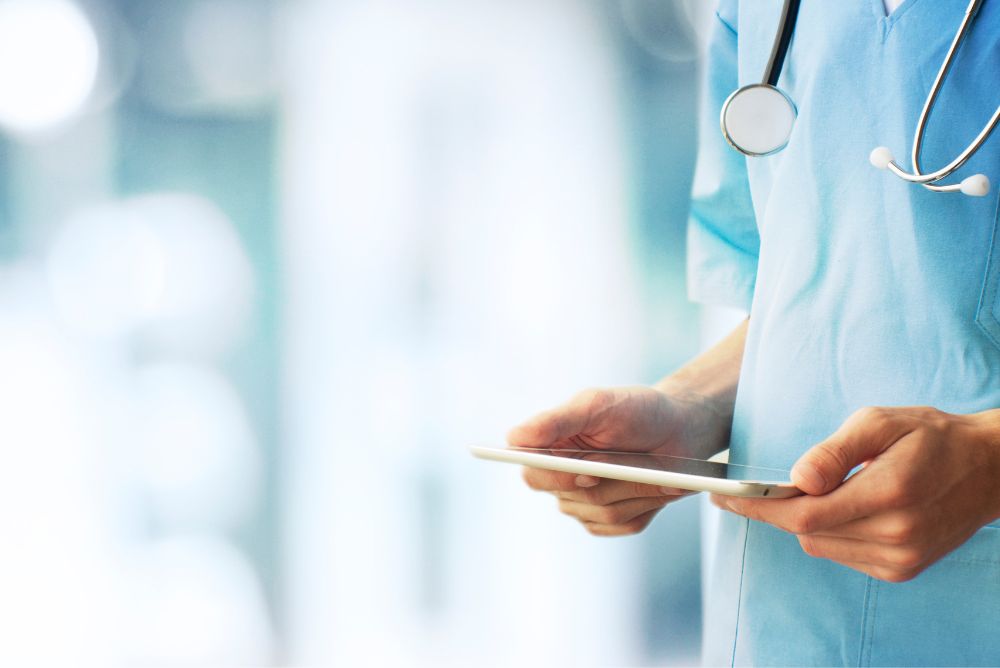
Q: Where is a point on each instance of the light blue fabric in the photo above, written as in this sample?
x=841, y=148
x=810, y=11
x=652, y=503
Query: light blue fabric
x=863, y=290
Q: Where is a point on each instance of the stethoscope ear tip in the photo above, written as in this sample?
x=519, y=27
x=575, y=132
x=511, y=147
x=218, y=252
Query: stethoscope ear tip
x=977, y=185
x=880, y=157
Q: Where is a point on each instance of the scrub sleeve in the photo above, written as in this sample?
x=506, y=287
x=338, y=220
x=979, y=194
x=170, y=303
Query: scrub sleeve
x=722, y=232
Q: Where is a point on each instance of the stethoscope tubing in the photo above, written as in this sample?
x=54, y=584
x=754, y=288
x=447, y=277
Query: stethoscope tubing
x=789, y=14
x=917, y=176
x=977, y=184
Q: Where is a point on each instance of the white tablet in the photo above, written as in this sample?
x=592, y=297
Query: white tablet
x=700, y=475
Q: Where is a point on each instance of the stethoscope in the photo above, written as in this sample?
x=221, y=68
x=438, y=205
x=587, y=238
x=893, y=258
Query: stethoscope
x=757, y=119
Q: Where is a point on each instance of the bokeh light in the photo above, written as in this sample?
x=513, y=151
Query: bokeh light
x=207, y=56
x=197, y=455
x=167, y=266
x=56, y=568
x=193, y=600
x=263, y=278
x=106, y=269
x=227, y=43
x=48, y=63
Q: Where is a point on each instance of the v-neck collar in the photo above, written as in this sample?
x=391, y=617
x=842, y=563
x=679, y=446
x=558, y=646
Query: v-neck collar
x=887, y=21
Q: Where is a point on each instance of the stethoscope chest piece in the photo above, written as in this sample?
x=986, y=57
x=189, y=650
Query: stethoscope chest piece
x=757, y=119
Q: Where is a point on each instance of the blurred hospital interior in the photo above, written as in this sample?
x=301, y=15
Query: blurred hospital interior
x=268, y=267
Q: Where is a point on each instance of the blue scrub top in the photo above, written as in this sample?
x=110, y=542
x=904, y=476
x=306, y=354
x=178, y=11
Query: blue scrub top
x=863, y=290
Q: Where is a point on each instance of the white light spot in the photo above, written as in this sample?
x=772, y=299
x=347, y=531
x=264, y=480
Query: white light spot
x=227, y=44
x=194, y=601
x=106, y=269
x=167, y=266
x=48, y=63
x=197, y=453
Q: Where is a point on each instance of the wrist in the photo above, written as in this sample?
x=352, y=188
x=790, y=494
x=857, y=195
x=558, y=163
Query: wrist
x=987, y=426
x=706, y=420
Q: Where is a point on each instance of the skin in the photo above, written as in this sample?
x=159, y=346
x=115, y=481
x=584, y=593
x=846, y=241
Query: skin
x=929, y=479
x=686, y=414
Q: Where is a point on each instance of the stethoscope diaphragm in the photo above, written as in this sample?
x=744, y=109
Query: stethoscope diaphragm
x=758, y=119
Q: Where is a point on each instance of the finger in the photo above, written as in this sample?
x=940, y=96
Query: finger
x=543, y=480
x=884, y=573
x=611, y=491
x=559, y=423
x=627, y=529
x=864, y=435
x=808, y=514
x=894, y=557
x=890, y=528
x=619, y=513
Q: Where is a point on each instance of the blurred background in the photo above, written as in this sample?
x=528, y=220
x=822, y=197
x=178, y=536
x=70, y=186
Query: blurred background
x=267, y=267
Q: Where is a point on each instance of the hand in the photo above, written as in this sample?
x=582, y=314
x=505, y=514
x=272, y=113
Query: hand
x=930, y=481
x=637, y=419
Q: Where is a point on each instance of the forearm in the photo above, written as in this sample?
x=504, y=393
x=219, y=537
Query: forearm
x=988, y=427
x=708, y=385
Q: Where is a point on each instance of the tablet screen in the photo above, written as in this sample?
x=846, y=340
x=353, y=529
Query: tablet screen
x=657, y=462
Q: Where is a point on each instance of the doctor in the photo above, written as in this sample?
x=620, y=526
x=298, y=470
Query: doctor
x=873, y=341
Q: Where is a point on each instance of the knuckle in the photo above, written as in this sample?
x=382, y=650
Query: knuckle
x=802, y=522
x=933, y=415
x=901, y=532
x=873, y=414
x=832, y=457
x=608, y=515
x=865, y=414
x=809, y=546
x=597, y=398
x=591, y=495
x=898, y=575
x=530, y=477
x=906, y=559
x=874, y=418
x=637, y=525
x=899, y=490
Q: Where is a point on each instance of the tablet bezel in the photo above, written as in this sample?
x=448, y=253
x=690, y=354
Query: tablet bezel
x=695, y=483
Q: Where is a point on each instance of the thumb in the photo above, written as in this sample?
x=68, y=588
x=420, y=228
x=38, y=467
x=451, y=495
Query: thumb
x=560, y=423
x=864, y=435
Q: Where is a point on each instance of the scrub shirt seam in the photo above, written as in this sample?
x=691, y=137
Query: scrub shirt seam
x=987, y=297
x=726, y=23
x=864, y=621
x=871, y=622
x=739, y=592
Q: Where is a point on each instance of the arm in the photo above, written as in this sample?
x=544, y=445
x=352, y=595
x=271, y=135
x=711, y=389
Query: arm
x=708, y=384
x=687, y=413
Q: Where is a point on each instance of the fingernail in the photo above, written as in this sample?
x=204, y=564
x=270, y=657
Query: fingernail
x=807, y=477
x=672, y=491
x=586, y=481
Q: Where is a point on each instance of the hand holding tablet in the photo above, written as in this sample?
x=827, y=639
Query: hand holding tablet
x=614, y=457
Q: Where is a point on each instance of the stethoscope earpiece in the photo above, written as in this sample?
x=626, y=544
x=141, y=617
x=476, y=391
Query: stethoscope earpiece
x=977, y=185
x=757, y=119
x=880, y=157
